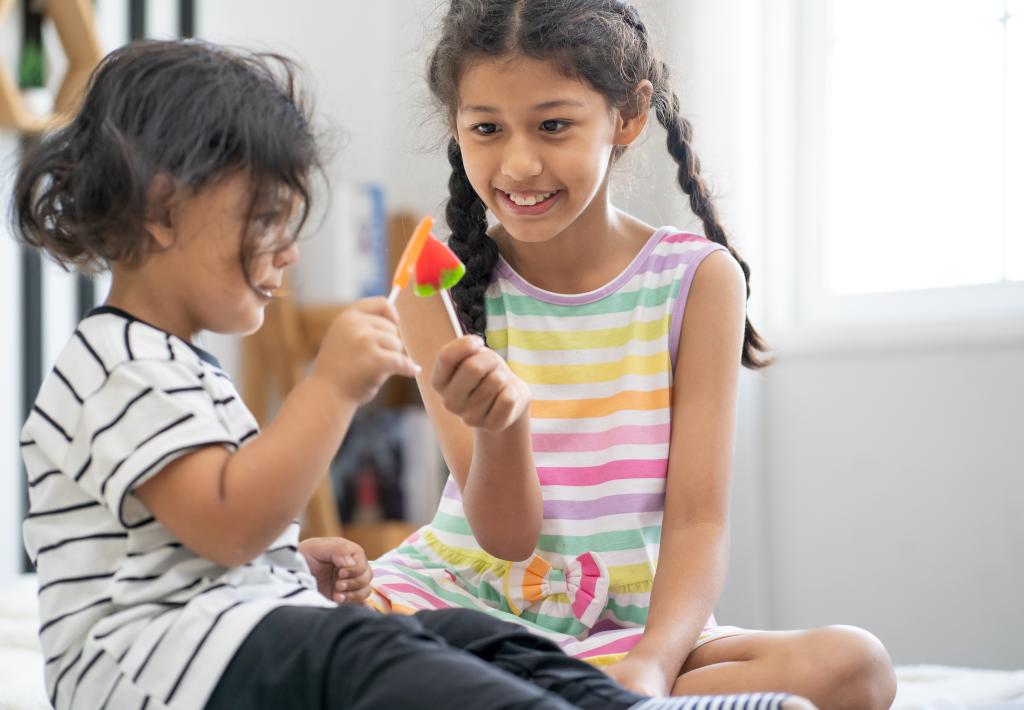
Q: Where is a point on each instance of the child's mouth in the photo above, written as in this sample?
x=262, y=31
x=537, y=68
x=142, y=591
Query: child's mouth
x=533, y=203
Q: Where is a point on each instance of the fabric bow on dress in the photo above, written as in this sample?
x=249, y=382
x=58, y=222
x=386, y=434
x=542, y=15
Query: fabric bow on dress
x=535, y=583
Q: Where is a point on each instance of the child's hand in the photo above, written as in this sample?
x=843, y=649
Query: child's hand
x=641, y=675
x=339, y=565
x=478, y=386
x=362, y=349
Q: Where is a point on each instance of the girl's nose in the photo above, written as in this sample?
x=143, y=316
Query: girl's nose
x=521, y=161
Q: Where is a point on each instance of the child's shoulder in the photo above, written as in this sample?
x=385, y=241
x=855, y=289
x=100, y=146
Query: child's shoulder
x=108, y=339
x=109, y=344
x=111, y=361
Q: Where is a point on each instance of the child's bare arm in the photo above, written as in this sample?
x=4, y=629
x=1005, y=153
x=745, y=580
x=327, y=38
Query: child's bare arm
x=480, y=411
x=694, y=540
x=228, y=507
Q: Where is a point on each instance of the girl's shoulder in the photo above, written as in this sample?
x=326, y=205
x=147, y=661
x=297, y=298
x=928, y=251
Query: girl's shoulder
x=671, y=239
x=669, y=256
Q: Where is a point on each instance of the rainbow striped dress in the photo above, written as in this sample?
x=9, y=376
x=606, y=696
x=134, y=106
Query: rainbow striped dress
x=599, y=366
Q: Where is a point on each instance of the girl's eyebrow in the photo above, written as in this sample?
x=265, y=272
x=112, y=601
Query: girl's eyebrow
x=543, y=106
x=559, y=103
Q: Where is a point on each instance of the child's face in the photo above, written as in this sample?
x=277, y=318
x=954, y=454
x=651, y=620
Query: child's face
x=206, y=252
x=536, y=145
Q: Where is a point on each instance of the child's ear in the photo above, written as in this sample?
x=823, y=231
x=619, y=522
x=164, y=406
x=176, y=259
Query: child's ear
x=632, y=118
x=159, y=207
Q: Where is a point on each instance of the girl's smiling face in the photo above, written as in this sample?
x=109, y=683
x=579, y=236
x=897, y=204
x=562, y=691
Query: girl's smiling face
x=536, y=144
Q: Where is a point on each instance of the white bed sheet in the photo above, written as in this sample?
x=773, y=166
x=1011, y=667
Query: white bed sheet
x=920, y=687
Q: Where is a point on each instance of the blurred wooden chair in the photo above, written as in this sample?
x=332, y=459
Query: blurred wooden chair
x=275, y=359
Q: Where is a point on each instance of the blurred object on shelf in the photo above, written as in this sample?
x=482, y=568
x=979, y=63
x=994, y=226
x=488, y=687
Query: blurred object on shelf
x=347, y=257
x=378, y=538
x=76, y=28
x=389, y=467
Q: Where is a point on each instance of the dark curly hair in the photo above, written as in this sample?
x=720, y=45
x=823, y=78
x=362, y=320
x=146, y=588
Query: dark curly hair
x=183, y=113
x=601, y=42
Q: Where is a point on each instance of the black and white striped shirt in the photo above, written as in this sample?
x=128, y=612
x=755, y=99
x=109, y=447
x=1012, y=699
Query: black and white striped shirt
x=130, y=618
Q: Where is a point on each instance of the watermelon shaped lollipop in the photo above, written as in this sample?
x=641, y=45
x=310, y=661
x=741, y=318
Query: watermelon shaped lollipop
x=437, y=270
x=434, y=265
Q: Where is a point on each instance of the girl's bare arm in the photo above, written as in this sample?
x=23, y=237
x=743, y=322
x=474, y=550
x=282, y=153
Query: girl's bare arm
x=487, y=448
x=694, y=542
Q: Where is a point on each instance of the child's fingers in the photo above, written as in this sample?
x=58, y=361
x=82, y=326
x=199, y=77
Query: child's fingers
x=506, y=409
x=354, y=590
x=350, y=570
x=390, y=341
x=358, y=596
x=345, y=564
x=481, y=400
x=397, y=363
x=451, y=355
x=381, y=324
x=347, y=553
x=319, y=548
x=467, y=377
x=357, y=582
x=377, y=305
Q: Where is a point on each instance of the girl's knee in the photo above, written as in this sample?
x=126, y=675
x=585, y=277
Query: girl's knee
x=851, y=663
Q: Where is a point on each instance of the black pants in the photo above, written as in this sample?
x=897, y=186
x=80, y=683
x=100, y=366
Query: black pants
x=350, y=657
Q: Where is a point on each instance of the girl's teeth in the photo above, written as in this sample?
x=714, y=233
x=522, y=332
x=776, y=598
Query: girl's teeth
x=528, y=200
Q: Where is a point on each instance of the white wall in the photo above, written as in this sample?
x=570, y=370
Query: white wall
x=10, y=351
x=10, y=368
x=879, y=475
x=895, y=492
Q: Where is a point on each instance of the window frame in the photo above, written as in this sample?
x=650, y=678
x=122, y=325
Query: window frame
x=813, y=303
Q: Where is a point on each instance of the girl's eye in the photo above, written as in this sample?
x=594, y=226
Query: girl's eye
x=485, y=129
x=553, y=125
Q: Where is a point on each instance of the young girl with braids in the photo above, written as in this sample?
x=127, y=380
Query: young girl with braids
x=588, y=417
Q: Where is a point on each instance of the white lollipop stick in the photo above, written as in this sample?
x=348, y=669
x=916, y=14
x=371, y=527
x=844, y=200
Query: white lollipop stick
x=448, y=306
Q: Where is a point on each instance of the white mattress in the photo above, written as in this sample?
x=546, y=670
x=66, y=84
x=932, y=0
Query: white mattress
x=920, y=687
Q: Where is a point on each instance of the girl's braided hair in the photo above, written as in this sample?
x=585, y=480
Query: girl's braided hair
x=601, y=42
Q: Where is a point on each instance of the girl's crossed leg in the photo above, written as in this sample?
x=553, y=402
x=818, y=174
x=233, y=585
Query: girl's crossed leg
x=350, y=657
x=836, y=667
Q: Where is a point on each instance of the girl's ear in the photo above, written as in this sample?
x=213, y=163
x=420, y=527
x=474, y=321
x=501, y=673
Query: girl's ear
x=159, y=210
x=633, y=118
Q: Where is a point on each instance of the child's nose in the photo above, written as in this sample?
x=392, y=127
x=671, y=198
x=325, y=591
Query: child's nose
x=521, y=161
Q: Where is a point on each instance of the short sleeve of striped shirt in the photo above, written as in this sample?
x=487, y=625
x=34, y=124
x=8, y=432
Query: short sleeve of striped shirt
x=145, y=415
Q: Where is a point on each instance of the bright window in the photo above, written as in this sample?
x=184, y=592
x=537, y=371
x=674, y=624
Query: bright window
x=923, y=145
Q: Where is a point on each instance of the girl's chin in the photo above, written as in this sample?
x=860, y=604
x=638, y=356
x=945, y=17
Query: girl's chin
x=533, y=232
